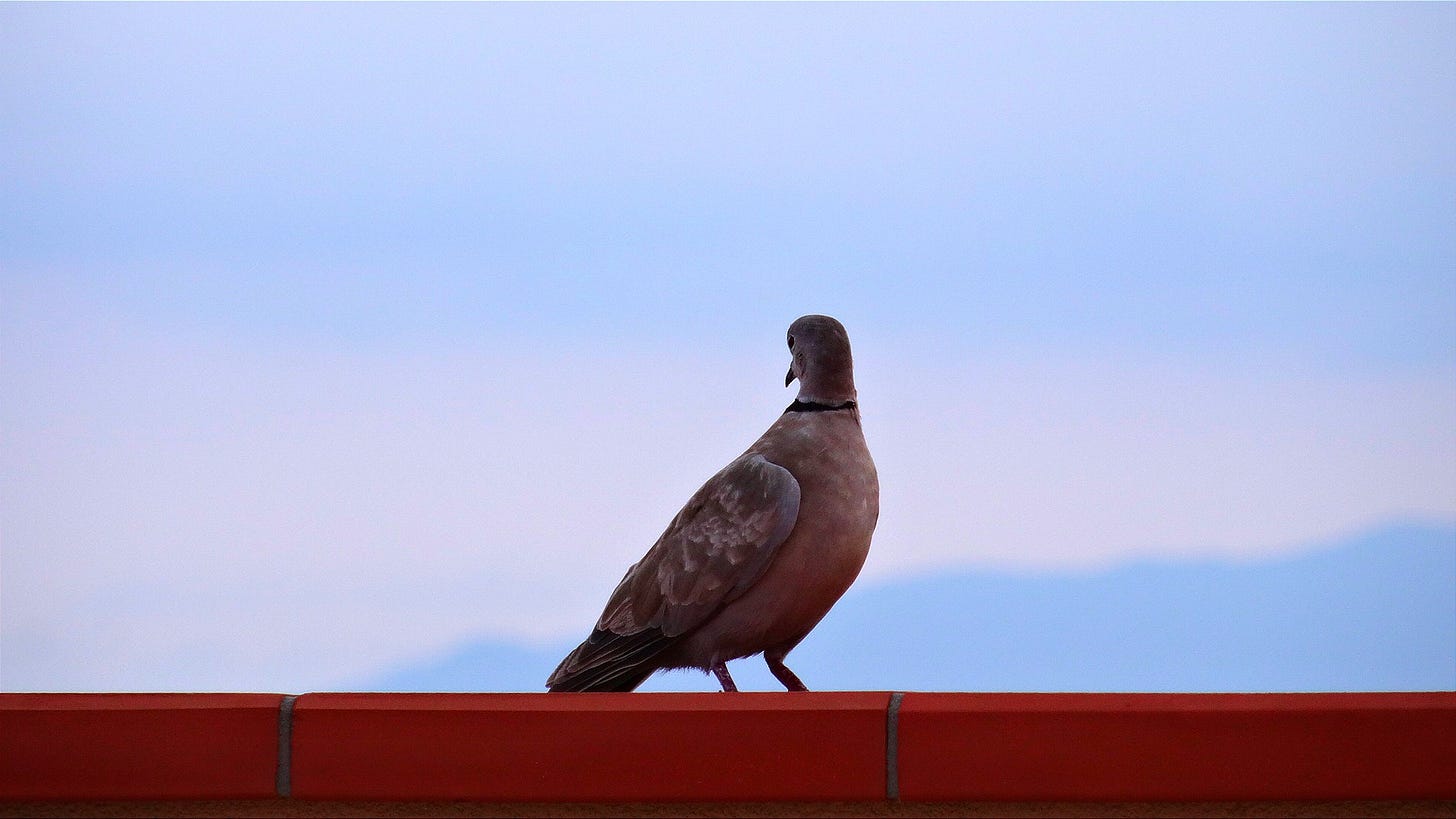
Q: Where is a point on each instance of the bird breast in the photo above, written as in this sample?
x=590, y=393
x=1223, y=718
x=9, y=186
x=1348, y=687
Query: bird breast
x=838, y=509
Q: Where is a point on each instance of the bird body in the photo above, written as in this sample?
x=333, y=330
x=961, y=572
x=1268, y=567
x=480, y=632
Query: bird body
x=822, y=556
x=760, y=553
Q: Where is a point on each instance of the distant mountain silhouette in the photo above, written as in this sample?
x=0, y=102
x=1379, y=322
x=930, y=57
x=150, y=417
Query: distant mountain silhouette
x=1374, y=612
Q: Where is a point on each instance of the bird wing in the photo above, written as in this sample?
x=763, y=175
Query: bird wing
x=712, y=551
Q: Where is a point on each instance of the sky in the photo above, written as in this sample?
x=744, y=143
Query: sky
x=336, y=334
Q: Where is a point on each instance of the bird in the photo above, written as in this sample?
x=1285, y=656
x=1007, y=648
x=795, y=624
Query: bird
x=759, y=554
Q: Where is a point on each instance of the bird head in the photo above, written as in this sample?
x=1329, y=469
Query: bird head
x=821, y=361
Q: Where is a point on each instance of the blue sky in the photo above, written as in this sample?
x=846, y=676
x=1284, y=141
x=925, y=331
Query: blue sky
x=334, y=333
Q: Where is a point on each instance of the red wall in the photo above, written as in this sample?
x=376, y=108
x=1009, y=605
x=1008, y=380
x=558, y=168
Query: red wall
x=848, y=746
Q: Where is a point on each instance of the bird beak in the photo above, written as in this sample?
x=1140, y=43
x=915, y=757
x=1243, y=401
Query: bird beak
x=789, y=379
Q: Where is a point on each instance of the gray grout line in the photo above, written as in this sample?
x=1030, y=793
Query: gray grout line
x=284, y=782
x=892, y=747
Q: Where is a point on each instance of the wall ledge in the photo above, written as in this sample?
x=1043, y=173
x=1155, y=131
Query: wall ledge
x=878, y=753
x=269, y=808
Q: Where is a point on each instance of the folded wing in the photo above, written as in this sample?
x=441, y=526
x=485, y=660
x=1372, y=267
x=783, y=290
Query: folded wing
x=712, y=552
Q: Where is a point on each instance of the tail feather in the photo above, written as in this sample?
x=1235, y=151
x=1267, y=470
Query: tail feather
x=606, y=661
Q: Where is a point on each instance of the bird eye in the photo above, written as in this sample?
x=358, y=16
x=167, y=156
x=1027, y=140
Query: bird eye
x=791, y=342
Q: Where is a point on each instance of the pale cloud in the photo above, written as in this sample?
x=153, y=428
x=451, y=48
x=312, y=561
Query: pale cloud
x=1055, y=463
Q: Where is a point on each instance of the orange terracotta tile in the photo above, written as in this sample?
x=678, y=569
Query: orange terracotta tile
x=138, y=746
x=590, y=747
x=1132, y=747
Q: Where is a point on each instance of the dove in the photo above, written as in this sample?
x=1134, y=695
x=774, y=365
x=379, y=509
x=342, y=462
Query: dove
x=760, y=553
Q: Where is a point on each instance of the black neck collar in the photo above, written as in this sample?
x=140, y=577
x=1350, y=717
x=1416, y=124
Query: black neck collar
x=815, y=406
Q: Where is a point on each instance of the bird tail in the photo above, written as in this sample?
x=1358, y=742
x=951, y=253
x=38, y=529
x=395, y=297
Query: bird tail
x=606, y=661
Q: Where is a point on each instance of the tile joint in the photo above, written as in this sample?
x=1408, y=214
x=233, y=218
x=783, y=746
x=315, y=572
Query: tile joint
x=283, y=783
x=892, y=747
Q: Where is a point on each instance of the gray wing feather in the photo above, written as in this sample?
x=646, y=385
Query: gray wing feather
x=713, y=551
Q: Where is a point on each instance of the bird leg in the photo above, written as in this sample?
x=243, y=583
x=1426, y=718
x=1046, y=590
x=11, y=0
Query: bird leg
x=791, y=681
x=720, y=670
